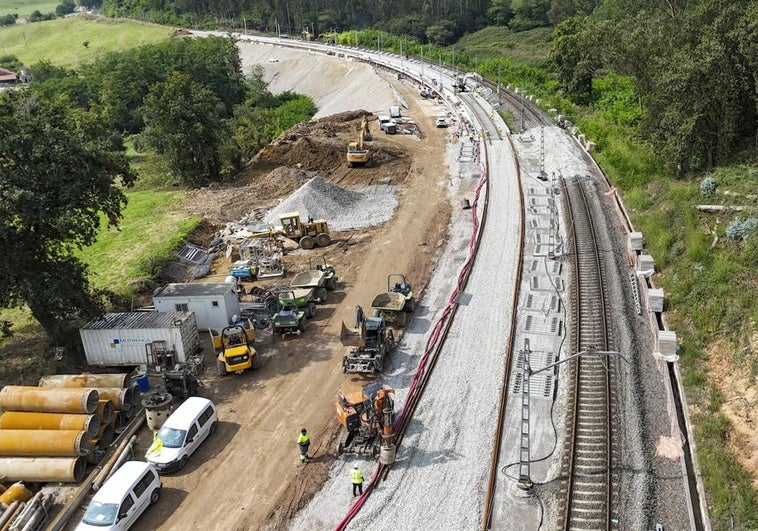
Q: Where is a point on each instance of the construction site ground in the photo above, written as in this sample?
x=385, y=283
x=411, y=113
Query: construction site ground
x=248, y=474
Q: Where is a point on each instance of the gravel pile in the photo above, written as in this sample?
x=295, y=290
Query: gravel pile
x=342, y=208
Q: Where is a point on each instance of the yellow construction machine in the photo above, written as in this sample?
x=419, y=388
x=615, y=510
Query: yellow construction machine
x=307, y=35
x=308, y=234
x=237, y=352
x=357, y=153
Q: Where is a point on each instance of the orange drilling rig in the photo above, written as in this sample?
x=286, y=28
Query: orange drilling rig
x=368, y=417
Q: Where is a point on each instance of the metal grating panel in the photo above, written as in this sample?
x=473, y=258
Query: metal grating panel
x=544, y=323
x=540, y=385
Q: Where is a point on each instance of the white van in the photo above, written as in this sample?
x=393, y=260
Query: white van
x=182, y=433
x=123, y=498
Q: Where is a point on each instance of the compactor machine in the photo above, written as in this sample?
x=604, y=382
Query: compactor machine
x=368, y=417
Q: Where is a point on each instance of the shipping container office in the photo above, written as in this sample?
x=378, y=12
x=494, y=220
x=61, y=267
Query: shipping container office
x=122, y=338
x=214, y=304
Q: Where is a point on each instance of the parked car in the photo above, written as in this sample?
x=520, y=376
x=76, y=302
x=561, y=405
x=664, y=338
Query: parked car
x=123, y=498
x=441, y=121
x=184, y=430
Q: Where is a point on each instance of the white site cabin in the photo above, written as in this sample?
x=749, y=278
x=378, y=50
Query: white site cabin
x=214, y=304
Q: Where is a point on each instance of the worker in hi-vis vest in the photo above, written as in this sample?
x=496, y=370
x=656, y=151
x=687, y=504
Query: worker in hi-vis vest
x=304, y=442
x=356, y=475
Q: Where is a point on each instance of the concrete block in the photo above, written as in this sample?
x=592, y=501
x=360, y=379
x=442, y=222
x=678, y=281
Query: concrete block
x=636, y=241
x=645, y=263
x=655, y=300
x=666, y=345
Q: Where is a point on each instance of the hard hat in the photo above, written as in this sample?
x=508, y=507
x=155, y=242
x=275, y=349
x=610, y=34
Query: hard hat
x=355, y=467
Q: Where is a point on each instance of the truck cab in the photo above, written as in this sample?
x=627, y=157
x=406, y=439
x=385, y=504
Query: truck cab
x=387, y=124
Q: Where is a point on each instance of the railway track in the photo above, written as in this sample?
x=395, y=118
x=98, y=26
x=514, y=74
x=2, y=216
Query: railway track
x=587, y=465
x=525, y=114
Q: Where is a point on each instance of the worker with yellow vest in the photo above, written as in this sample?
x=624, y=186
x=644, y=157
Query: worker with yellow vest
x=304, y=442
x=356, y=475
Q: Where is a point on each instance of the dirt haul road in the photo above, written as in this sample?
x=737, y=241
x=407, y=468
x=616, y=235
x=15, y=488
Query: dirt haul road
x=248, y=475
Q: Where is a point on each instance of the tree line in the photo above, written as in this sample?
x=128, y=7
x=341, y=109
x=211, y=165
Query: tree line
x=693, y=66
x=63, y=163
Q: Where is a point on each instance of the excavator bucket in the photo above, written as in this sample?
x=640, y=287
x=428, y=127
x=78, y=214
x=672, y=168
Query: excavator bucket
x=353, y=337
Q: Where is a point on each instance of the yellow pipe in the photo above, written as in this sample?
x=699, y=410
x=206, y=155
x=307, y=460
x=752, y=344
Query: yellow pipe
x=105, y=410
x=48, y=400
x=44, y=443
x=85, y=380
x=43, y=469
x=28, y=420
x=120, y=396
x=17, y=491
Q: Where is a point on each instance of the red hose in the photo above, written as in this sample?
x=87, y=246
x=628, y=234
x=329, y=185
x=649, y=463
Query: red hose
x=431, y=343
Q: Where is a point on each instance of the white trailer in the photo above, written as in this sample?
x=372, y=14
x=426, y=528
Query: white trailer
x=119, y=339
x=214, y=304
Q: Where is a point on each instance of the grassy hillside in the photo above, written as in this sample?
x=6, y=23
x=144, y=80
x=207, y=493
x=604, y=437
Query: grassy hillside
x=528, y=47
x=24, y=8
x=152, y=226
x=61, y=41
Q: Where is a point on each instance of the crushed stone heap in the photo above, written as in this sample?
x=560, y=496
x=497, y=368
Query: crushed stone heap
x=342, y=208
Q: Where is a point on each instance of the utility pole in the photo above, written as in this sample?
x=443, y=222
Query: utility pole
x=499, y=102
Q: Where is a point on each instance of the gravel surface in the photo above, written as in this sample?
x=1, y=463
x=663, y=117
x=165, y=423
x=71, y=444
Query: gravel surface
x=448, y=442
x=343, y=208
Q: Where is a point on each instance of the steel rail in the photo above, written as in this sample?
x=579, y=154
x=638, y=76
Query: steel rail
x=588, y=461
x=509, y=349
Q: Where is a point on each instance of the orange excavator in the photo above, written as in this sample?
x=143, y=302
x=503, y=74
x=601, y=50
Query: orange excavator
x=368, y=416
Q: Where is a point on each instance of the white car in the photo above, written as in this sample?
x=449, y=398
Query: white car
x=182, y=433
x=441, y=121
x=123, y=498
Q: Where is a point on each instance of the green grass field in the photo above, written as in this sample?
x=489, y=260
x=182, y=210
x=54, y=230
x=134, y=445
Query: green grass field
x=24, y=8
x=61, y=41
x=528, y=47
x=152, y=227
